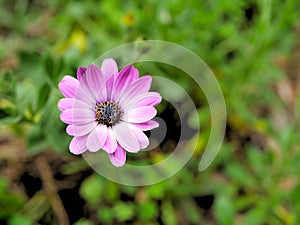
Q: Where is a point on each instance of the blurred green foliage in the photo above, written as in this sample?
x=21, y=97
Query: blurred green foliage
x=254, y=180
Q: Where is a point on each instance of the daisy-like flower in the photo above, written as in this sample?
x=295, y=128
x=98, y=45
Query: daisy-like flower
x=109, y=110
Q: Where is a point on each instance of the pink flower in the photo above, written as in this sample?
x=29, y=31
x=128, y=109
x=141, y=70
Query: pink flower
x=108, y=110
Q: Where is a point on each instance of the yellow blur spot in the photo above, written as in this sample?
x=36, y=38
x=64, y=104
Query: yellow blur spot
x=284, y=215
x=36, y=118
x=5, y=104
x=27, y=114
x=128, y=20
x=77, y=39
x=200, y=144
x=156, y=157
x=261, y=126
x=237, y=122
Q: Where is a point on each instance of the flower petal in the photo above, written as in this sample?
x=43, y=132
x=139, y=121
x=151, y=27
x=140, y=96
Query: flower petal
x=79, y=104
x=95, y=79
x=70, y=130
x=78, y=145
x=134, y=89
x=144, y=99
x=127, y=75
x=149, y=125
x=109, y=68
x=118, y=158
x=80, y=130
x=80, y=72
x=152, y=99
x=140, y=136
x=65, y=103
x=140, y=115
x=97, y=138
x=110, y=145
x=77, y=116
x=125, y=138
x=109, y=88
x=68, y=86
x=69, y=103
x=84, y=93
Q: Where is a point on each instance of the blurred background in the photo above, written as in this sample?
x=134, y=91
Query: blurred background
x=253, y=49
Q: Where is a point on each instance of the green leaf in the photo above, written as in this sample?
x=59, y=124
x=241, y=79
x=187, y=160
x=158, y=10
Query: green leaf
x=53, y=67
x=224, y=210
x=10, y=202
x=54, y=129
x=113, y=192
x=49, y=65
x=92, y=189
x=255, y=216
x=36, y=207
x=147, y=211
x=59, y=67
x=259, y=162
x=123, y=211
x=26, y=98
x=156, y=191
x=83, y=222
x=7, y=83
x=240, y=174
x=129, y=190
x=106, y=215
x=168, y=213
x=44, y=93
x=35, y=140
x=191, y=211
x=10, y=120
x=31, y=68
x=74, y=167
x=3, y=184
x=296, y=194
x=19, y=219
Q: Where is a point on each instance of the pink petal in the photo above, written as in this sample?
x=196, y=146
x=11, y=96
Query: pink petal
x=78, y=145
x=118, y=158
x=140, y=136
x=69, y=103
x=127, y=75
x=125, y=138
x=110, y=145
x=77, y=116
x=152, y=99
x=144, y=99
x=68, y=86
x=83, y=104
x=84, y=129
x=84, y=93
x=134, y=89
x=65, y=103
x=80, y=72
x=97, y=138
x=109, y=68
x=109, y=88
x=140, y=115
x=149, y=125
x=70, y=130
x=95, y=79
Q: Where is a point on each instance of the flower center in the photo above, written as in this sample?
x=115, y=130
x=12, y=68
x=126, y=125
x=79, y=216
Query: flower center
x=108, y=113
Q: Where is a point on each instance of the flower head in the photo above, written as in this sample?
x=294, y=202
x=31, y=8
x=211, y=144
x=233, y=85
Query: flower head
x=109, y=110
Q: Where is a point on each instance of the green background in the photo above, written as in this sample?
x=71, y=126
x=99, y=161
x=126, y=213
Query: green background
x=253, y=49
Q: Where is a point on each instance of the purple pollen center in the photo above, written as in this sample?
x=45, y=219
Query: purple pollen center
x=108, y=113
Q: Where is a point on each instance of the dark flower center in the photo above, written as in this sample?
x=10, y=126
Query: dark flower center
x=108, y=113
